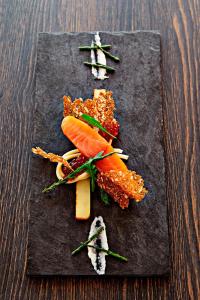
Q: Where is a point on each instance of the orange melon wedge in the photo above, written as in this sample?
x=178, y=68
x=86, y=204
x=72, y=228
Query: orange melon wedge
x=90, y=143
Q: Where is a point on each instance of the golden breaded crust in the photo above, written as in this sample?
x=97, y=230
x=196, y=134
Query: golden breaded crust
x=122, y=185
x=101, y=107
x=113, y=189
x=52, y=157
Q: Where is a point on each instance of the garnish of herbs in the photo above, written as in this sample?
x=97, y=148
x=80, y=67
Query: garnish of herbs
x=83, y=48
x=97, y=65
x=105, y=198
x=115, y=58
x=102, y=48
x=90, y=120
x=108, y=252
x=84, y=244
x=88, y=166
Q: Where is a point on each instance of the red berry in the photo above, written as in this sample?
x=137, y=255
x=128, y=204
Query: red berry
x=75, y=163
x=65, y=170
x=111, y=127
x=78, y=161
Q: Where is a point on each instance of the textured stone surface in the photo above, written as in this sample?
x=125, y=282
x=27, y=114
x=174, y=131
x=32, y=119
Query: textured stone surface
x=139, y=232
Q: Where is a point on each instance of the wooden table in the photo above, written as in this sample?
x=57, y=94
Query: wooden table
x=178, y=21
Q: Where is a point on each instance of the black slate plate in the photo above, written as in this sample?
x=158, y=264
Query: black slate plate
x=139, y=232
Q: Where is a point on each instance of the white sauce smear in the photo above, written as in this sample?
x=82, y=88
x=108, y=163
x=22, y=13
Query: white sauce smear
x=98, y=259
x=93, y=60
x=101, y=59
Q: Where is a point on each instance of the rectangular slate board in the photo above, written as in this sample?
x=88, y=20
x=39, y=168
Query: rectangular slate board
x=139, y=232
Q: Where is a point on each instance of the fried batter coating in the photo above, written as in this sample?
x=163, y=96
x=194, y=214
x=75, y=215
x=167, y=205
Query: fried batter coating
x=122, y=186
x=67, y=109
x=52, y=157
x=101, y=107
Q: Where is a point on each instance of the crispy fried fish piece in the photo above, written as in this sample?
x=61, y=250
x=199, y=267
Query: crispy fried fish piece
x=122, y=186
x=52, y=157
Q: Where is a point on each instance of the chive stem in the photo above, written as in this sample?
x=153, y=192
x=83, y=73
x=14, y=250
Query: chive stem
x=84, y=244
x=115, y=58
x=90, y=120
x=97, y=65
x=109, y=252
x=86, y=166
x=83, y=48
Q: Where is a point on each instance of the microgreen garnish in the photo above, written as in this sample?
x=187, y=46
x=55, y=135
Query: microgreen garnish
x=105, y=198
x=88, y=166
x=90, y=120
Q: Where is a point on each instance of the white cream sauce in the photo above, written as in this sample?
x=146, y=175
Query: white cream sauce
x=98, y=259
x=93, y=60
x=101, y=59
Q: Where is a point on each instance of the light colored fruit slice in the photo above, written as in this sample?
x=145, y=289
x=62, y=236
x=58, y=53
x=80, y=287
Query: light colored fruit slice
x=90, y=143
x=83, y=199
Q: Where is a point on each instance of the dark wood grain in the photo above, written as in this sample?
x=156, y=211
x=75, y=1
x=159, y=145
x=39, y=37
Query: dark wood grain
x=179, y=24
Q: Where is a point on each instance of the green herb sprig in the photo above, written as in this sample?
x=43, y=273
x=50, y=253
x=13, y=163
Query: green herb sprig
x=104, y=197
x=92, y=171
x=83, y=48
x=90, y=120
x=97, y=65
x=84, y=244
x=115, y=58
x=107, y=251
x=87, y=166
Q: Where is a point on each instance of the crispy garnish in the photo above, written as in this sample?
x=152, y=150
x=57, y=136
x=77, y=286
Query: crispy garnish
x=101, y=107
x=67, y=106
x=113, y=189
x=105, y=106
x=77, y=107
x=52, y=157
x=122, y=185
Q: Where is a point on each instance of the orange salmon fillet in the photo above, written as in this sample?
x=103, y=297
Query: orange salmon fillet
x=90, y=143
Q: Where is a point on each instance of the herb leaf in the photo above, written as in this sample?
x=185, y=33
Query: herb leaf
x=105, y=198
x=87, y=166
x=92, y=171
x=90, y=120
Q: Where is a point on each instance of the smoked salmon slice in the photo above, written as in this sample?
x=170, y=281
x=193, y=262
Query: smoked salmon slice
x=90, y=143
